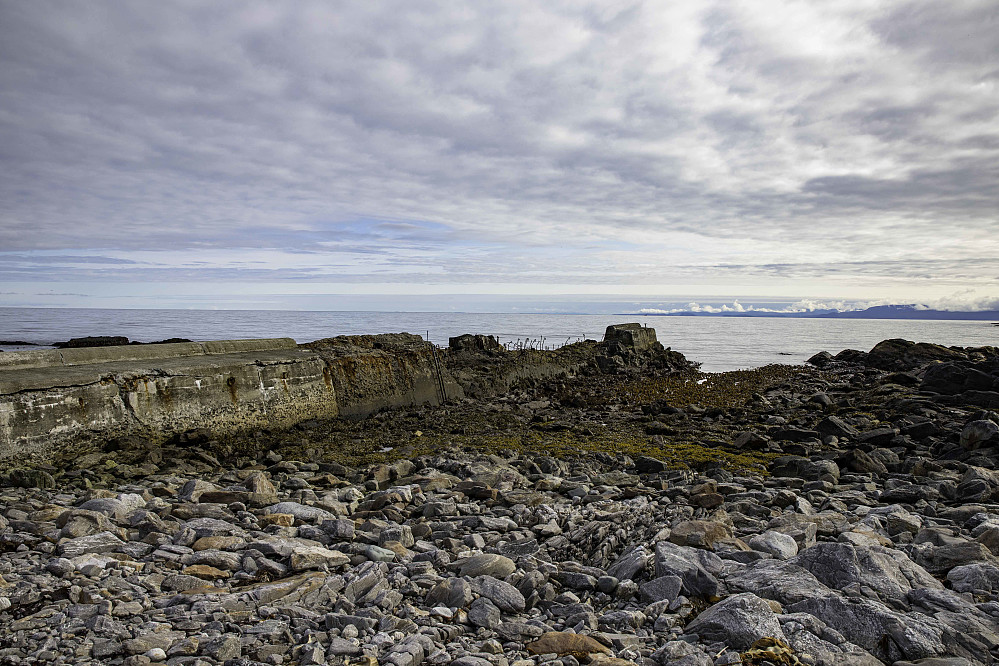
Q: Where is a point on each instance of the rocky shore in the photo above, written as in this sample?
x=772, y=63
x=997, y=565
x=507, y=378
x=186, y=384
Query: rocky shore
x=633, y=512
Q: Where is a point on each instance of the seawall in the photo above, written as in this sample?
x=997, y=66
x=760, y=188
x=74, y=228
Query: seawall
x=227, y=388
x=52, y=397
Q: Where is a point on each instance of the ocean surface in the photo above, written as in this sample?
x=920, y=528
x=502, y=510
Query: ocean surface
x=719, y=343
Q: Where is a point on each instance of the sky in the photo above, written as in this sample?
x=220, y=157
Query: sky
x=345, y=154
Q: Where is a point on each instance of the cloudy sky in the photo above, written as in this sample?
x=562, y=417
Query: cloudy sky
x=218, y=153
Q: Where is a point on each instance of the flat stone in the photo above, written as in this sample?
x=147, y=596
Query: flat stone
x=561, y=643
x=102, y=542
x=301, y=512
x=304, y=558
x=488, y=564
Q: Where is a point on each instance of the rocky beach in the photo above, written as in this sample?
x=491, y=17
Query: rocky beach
x=605, y=504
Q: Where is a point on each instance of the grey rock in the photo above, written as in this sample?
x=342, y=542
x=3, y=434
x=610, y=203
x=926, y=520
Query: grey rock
x=342, y=647
x=979, y=433
x=302, y=512
x=103, y=542
x=688, y=564
x=833, y=425
x=471, y=660
x=739, y=621
x=887, y=571
x=778, y=580
x=204, y=527
x=483, y=613
x=632, y=563
x=506, y=597
x=488, y=564
x=663, y=588
x=979, y=576
x=867, y=623
x=222, y=648
x=450, y=592
x=681, y=653
x=780, y=545
x=378, y=554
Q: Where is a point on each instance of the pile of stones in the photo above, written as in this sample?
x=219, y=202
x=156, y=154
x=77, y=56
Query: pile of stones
x=863, y=543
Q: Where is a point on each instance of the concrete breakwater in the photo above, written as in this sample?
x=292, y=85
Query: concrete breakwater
x=52, y=397
x=49, y=398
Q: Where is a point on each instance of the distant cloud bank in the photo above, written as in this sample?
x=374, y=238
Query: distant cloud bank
x=955, y=303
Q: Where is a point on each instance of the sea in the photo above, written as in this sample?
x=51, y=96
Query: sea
x=718, y=343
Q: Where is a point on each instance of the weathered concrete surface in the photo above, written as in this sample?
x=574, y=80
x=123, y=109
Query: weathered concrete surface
x=50, y=397
x=231, y=387
x=374, y=372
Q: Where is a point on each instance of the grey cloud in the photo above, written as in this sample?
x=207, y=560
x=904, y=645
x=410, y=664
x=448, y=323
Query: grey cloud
x=453, y=144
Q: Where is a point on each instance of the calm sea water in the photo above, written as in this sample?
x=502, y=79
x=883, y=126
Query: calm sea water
x=719, y=343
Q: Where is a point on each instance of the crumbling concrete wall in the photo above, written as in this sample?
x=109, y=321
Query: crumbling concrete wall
x=375, y=372
x=230, y=387
x=51, y=397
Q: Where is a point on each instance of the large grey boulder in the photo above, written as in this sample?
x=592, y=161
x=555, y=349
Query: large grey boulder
x=102, y=542
x=692, y=566
x=450, y=592
x=739, y=621
x=800, y=467
x=978, y=434
x=506, y=597
x=663, y=588
x=778, y=580
x=302, y=512
x=780, y=545
x=887, y=571
x=888, y=635
x=806, y=634
x=628, y=565
x=979, y=576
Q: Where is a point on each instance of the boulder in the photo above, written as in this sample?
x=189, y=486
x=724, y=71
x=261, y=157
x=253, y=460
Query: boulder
x=487, y=564
x=978, y=434
x=691, y=566
x=980, y=577
x=738, y=621
x=888, y=635
x=699, y=533
x=782, y=546
x=504, y=595
x=779, y=580
x=800, y=467
x=886, y=571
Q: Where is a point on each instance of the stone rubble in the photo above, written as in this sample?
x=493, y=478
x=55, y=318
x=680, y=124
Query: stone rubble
x=871, y=539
